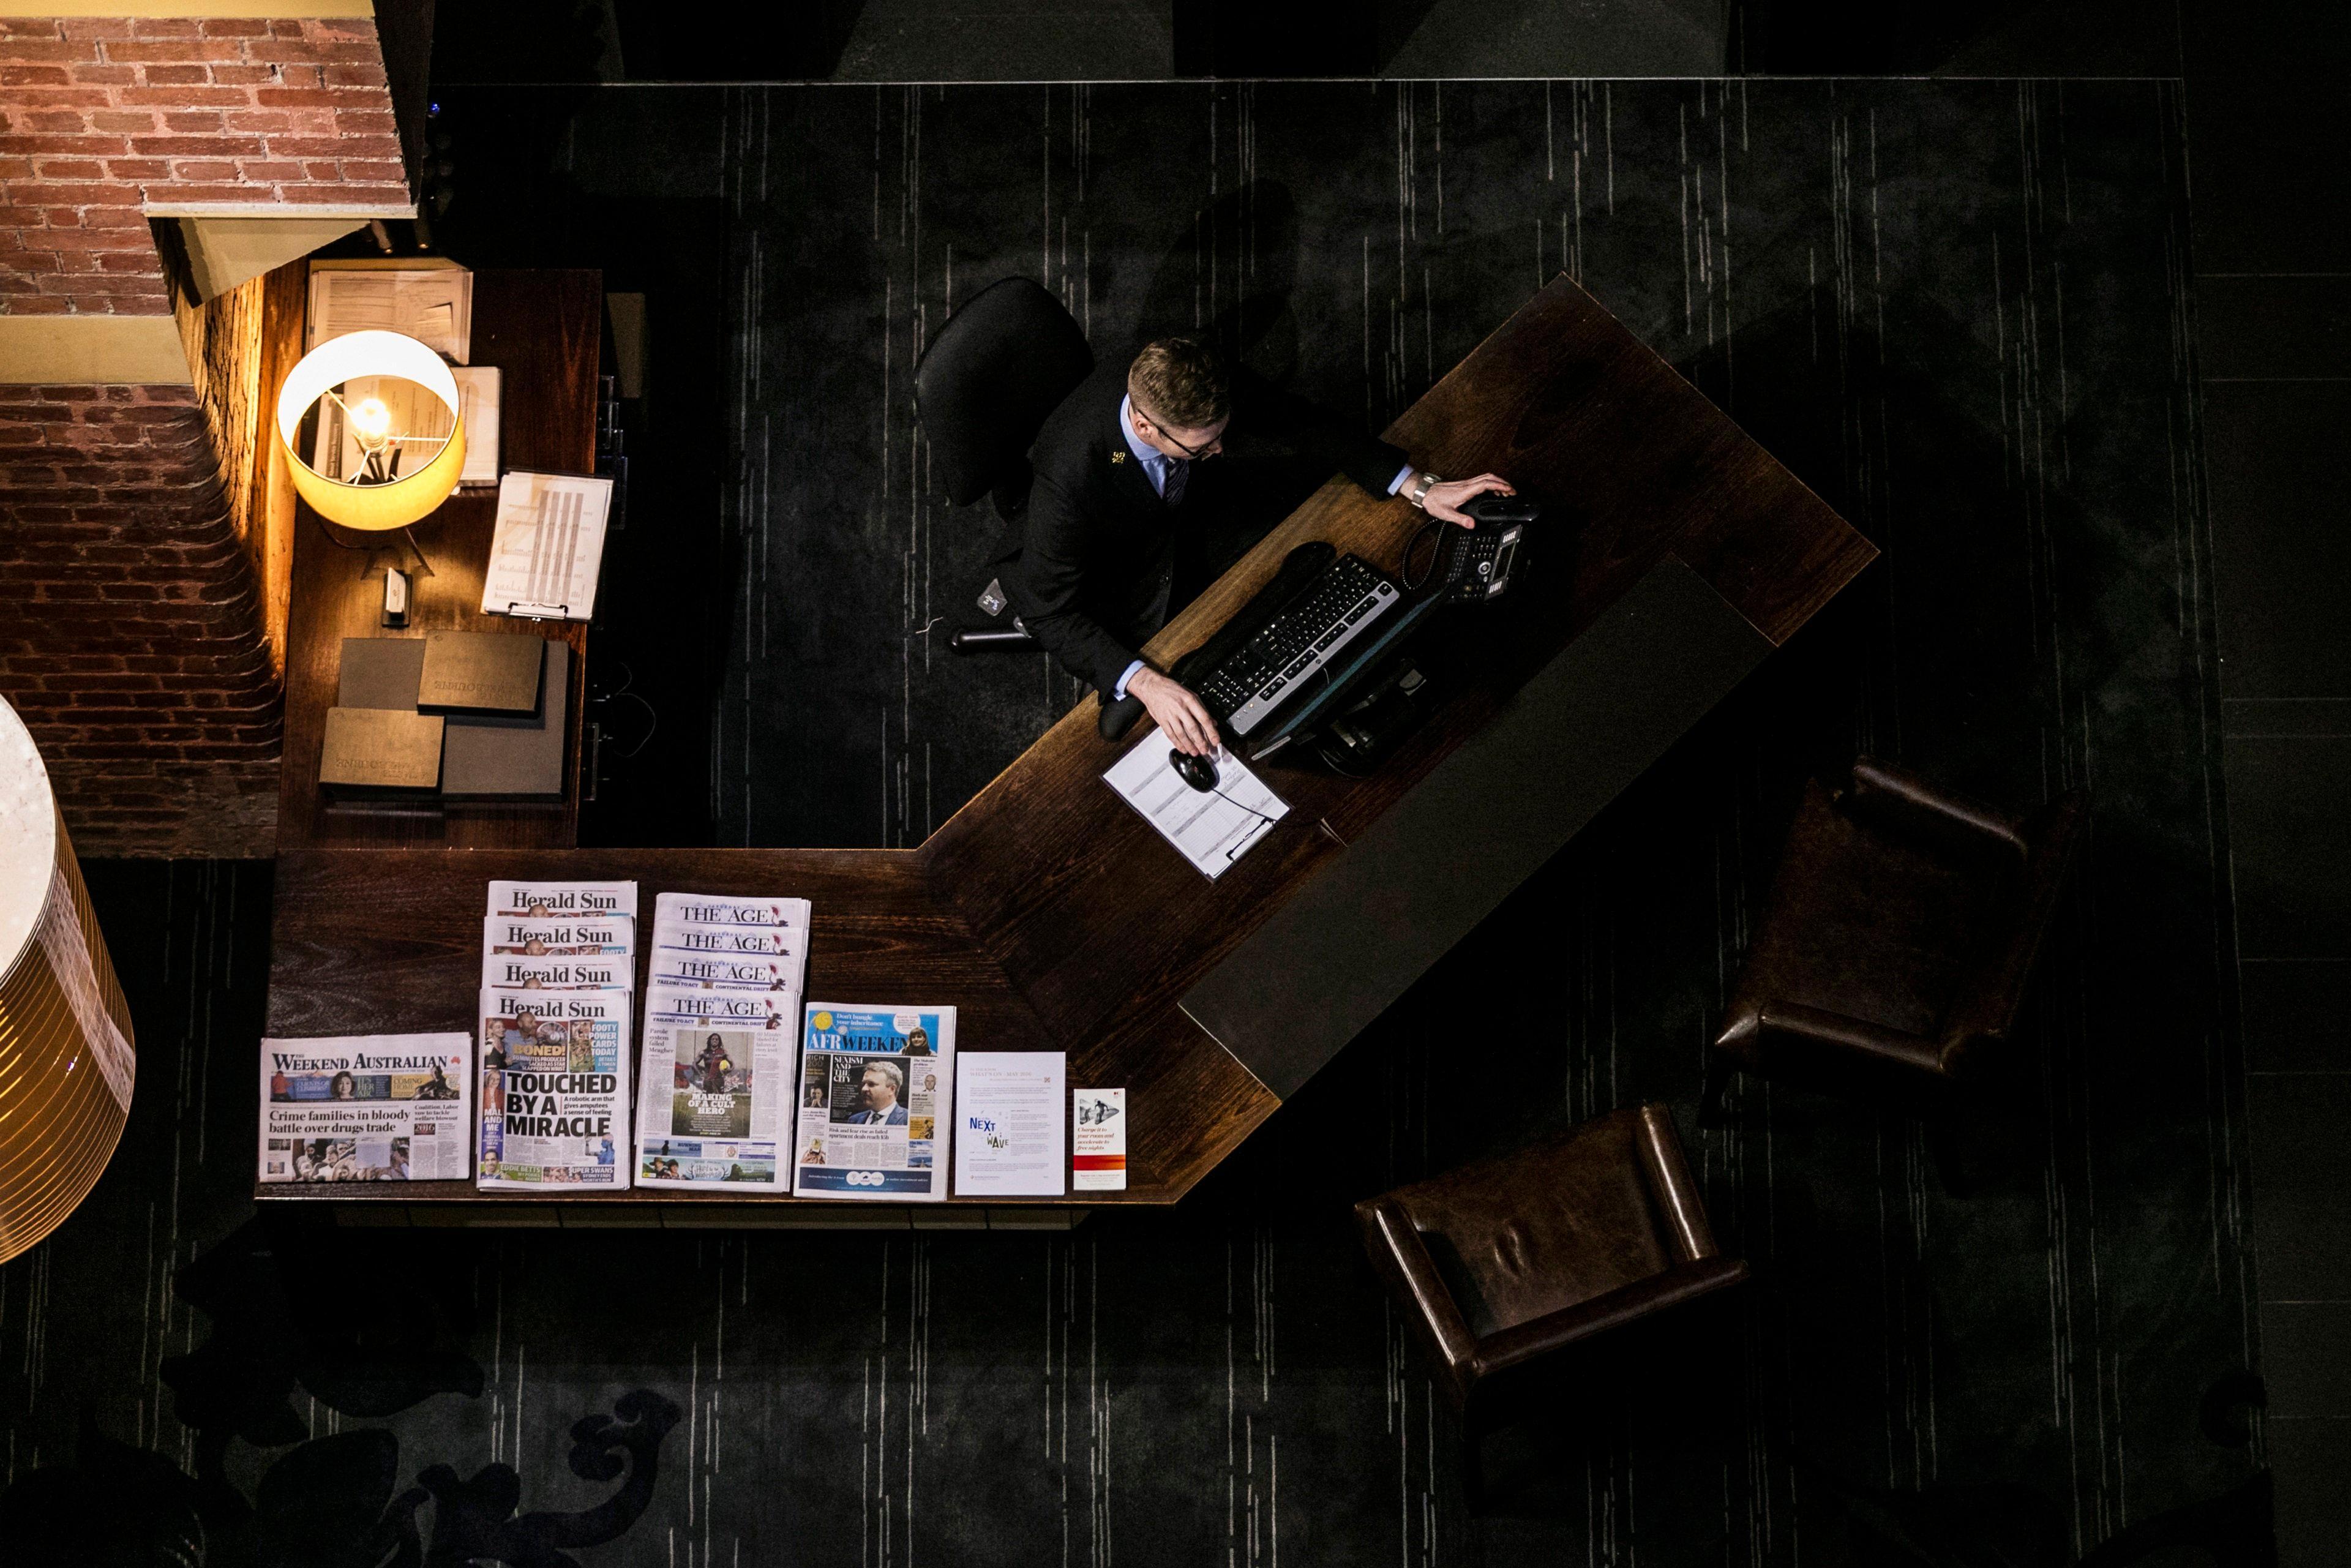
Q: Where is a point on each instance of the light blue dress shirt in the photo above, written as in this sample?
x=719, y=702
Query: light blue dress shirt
x=1154, y=468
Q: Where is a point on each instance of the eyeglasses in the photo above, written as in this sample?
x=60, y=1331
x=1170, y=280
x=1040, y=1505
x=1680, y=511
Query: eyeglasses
x=1211, y=445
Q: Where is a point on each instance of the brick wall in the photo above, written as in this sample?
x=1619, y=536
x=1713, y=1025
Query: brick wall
x=137, y=562
x=107, y=117
x=130, y=637
x=240, y=345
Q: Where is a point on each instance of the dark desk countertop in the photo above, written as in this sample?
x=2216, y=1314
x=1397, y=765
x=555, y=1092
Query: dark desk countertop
x=1050, y=911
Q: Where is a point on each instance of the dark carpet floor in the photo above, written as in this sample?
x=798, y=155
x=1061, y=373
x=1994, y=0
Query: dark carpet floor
x=1956, y=309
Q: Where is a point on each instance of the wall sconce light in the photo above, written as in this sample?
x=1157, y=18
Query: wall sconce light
x=65, y=1057
x=370, y=425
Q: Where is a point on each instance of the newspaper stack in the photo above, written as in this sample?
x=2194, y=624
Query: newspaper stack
x=559, y=971
x=722, y=1027
x=877, y=1091
x=371, y=1107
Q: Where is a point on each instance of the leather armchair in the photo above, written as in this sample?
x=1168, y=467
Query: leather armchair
x=1507, y=1266
x=1895, y=949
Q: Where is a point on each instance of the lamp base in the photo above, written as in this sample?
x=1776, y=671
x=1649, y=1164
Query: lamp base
x=375, y=539
x=360, y=538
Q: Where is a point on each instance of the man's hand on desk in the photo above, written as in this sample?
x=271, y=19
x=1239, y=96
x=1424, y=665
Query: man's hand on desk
x=1178, y=713
x=1445, y=500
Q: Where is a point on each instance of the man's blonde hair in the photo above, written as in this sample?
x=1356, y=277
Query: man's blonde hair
x=1178, y=381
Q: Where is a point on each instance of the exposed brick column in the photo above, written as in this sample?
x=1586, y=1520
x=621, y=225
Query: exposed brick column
x=107, y=117
x=130, y=638
x=131, y=619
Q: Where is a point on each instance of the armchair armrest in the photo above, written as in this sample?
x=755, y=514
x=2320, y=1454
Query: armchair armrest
x=1682, y=1283
x=1669, y=1180
x=1397, y=1251
x=1802, y=1036
x=1987, y=1008
x=1893, y=794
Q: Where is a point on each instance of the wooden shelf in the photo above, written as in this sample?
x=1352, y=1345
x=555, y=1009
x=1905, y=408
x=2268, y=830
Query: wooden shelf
x=544, y=331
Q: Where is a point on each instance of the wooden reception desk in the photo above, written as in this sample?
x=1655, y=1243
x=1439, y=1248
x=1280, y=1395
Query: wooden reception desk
x=1674, y=556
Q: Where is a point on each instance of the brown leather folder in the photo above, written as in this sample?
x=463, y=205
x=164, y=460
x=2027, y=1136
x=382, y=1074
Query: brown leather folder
x=481, y=672
x=381, y=751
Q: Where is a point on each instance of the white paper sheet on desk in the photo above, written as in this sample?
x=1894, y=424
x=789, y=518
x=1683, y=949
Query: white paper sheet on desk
x=1213, y=829
x=1012, y=1118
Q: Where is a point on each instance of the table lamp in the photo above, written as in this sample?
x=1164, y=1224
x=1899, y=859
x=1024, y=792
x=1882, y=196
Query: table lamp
x=364, y=387
x=66, y=1059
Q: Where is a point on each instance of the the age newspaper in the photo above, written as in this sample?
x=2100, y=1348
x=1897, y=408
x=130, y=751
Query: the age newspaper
x=718, y=1079
x=371, y=1107
x=877, y=1091
x=555, y=1089
x=721, y=1035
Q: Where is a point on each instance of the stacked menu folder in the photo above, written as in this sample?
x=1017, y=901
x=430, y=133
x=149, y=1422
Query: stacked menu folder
x=721, y=1041
x=485, y=715
x=558, y=976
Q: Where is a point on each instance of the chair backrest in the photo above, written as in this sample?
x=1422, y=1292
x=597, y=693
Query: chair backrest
x=1529, y=1233
x=984, y=387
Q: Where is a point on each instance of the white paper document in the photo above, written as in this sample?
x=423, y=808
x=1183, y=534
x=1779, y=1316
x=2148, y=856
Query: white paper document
x=433, y=305
x=419, y=423
x=1212, y=827
x=549, y=546
x=477, y=405
x=1008, y=1139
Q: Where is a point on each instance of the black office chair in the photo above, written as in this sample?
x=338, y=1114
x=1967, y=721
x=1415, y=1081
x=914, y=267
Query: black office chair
x=983, y=388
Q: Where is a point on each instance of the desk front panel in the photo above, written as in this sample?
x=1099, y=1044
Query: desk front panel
x=373, y=941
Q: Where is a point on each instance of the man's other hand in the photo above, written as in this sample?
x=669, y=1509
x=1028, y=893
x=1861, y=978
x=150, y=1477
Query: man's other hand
x=1445, y=500
x=1177, y=713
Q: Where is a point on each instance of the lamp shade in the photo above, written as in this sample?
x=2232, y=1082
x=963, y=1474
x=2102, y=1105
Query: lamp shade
x=65, y=1060
x=396, y=503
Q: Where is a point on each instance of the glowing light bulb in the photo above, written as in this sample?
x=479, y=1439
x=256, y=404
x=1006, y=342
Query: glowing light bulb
x=371, y=420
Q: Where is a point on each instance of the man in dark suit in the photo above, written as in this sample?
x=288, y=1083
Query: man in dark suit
x=879, y=1089
x=1091, y=566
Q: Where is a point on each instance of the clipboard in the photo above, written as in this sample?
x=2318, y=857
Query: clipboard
x=548, y=550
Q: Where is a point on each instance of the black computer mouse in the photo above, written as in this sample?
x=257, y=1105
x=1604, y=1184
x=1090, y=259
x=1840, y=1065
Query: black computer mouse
x=1200, y=772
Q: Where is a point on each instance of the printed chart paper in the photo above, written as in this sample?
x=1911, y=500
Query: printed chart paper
x=549, y=545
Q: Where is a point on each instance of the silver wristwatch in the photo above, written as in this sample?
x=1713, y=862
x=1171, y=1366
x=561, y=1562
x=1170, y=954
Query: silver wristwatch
x=1421, y=486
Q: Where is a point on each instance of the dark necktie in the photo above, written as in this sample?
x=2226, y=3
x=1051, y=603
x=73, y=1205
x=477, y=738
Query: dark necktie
x=1176, y=469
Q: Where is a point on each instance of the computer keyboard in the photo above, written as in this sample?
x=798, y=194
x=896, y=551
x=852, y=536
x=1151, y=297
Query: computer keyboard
x=1249, y=682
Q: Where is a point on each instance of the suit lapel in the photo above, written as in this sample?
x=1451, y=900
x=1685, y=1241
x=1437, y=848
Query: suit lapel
x=1126, y=469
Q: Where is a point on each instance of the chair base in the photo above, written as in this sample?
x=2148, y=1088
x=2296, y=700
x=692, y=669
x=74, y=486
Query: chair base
x=991, y=640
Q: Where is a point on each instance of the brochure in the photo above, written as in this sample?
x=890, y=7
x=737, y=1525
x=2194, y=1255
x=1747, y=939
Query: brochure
x=1010, y=1124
